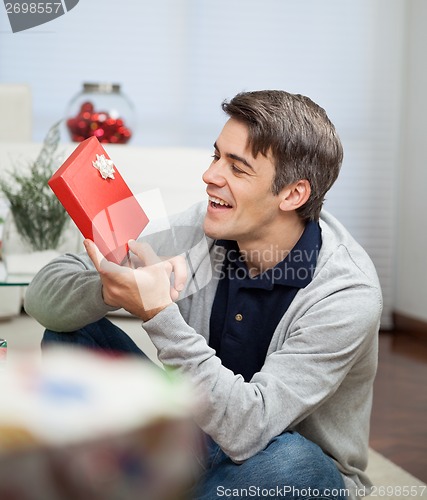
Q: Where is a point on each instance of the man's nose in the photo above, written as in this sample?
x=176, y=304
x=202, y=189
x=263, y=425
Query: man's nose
x=214, y=174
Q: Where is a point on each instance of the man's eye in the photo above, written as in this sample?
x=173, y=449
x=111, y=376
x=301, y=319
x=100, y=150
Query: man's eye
x=215, y=157
x=236, y=170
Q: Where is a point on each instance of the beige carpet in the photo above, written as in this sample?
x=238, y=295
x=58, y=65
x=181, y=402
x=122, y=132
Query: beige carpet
x=382, y=472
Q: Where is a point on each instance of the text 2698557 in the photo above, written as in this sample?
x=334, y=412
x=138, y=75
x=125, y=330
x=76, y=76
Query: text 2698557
x=33, y=8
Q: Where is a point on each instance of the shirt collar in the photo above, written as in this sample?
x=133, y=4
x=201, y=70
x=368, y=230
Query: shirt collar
x=295, y=270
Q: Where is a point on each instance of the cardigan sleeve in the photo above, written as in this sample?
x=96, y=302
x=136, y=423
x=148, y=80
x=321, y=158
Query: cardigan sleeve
x=67, y=293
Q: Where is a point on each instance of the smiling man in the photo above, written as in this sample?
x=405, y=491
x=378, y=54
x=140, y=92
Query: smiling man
x=278, y=333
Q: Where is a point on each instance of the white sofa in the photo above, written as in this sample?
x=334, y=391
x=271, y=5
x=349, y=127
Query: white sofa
x=16, y=112
x=176, y=172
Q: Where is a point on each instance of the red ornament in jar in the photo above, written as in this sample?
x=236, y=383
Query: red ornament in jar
x=103, y=111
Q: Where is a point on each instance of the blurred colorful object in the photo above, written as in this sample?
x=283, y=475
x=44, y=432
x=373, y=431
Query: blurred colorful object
x=3, y=353
x=85, y=425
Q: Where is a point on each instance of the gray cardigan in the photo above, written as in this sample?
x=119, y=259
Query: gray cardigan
x=318, y=374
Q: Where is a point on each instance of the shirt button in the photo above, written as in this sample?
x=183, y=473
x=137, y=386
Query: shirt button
x=238, y=317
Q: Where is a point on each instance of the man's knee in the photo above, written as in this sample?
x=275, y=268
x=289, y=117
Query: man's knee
x=69, y=340
x=295, y=465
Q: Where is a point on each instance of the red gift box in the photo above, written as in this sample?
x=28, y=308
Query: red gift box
x=98, y=200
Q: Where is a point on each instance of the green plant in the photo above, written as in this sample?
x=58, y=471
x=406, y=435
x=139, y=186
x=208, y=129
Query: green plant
x=39, y=217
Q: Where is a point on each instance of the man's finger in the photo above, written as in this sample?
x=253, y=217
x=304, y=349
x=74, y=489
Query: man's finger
x=179, y=267
x=93, y=252
x=144, y=252
x=99, y=261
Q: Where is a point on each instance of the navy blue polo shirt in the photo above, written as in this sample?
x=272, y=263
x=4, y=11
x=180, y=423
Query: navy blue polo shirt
x=247, y=310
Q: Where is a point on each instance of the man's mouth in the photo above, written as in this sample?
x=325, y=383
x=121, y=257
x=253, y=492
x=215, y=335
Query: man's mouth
x=218, y=202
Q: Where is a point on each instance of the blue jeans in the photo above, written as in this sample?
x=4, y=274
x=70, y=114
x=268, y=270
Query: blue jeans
x=101, y=335
x=290, y=467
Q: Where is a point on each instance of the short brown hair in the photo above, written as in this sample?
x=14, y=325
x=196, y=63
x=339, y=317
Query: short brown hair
x=299, y=135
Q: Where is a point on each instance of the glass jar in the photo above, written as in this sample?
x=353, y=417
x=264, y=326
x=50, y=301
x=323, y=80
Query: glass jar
x=103, y=111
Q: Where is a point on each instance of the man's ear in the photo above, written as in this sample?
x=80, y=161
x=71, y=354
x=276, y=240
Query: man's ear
x=295, y=195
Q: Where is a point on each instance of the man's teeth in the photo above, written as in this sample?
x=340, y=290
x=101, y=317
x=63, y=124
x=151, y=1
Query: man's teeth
x=218, y=201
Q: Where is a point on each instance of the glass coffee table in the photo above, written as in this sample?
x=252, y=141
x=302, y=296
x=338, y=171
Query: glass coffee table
x=12, y=291
x=7, y=279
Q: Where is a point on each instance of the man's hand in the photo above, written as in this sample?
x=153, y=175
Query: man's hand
x=144, y=291
x=145, y=256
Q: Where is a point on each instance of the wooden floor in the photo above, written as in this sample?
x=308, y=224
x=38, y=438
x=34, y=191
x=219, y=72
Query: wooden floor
x=399, y=415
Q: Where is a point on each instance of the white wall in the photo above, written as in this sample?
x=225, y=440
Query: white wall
x=411, y=277
x=178, y=59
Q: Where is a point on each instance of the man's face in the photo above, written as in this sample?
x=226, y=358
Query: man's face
x=241, y=205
